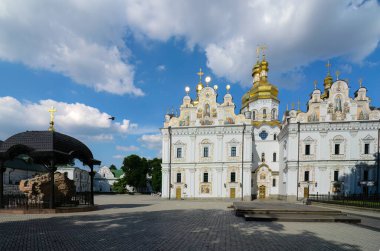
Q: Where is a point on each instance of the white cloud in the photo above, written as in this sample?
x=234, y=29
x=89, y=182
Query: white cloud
x=297, y=33
x=127, y=148
x=161, y=68
x=151, y=141
x=79, y=39
x=86, y=40
x=76, y=119
x=118, y=156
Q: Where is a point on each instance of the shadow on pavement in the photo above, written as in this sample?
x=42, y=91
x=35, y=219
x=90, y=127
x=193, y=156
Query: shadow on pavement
x=160, y=230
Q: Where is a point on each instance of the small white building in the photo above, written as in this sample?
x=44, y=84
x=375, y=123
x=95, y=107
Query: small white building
x=80, y=177
x=105, y=178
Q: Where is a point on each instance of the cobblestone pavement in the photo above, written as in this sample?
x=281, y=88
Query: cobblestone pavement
x=149, y=223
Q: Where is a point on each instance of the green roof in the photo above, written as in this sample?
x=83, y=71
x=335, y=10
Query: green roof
x=117, y=173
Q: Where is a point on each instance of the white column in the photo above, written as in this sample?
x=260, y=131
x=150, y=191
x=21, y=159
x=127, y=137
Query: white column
x=192, y=183
x=219, y=183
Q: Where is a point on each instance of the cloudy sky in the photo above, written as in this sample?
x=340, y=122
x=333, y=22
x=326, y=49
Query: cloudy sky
x=132, y=60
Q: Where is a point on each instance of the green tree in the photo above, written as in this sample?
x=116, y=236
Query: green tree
x=113, y=168
x=135, y=169
x=155, y=170
x=119, y=186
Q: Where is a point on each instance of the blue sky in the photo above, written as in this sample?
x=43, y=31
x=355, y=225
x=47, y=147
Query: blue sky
x=132, y=60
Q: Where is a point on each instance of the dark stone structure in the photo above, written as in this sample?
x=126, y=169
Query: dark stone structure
x=47, y=148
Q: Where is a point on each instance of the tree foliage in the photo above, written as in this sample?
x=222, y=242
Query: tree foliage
x=155, y=168
x=135, y=169
x=113, y=167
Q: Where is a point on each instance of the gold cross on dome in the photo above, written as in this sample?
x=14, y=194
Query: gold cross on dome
x=328, y=65
x=292, y=105
x=263, y=48
x=337, y=73
x=258, y=52
x=52, y=110
x=200, y=74
x=360, y=82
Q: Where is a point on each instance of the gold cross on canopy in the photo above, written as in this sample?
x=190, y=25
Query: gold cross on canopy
x=328, y=65
x=52, y=110
x=200, y=74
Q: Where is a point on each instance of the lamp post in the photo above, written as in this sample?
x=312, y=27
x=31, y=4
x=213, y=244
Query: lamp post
x=170, y=160
x=298, y=157
x=242, y=163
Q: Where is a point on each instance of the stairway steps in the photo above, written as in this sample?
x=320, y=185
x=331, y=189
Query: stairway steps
x=300, y=218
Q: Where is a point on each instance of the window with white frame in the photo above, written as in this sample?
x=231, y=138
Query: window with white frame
x=233, y=177
x=366, y=148
x=205, y=177
x=205, y=152
x=179, y=152
x=233, y=151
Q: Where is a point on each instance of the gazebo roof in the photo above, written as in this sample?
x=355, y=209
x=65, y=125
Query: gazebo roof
x=46, y=146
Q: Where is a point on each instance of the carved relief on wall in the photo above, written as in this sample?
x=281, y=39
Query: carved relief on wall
x=206, y=188
x=185, y=121
x=346, y=107
x=214, y=114
x=199, y=113
x=330, y=109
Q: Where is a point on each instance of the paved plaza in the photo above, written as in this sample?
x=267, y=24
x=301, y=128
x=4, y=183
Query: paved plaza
x=126, y=222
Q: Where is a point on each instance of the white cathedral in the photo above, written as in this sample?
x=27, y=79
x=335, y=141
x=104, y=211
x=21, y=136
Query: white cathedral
x=208, y=151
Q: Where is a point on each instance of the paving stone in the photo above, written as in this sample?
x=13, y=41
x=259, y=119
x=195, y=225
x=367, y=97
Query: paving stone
x=150, y=223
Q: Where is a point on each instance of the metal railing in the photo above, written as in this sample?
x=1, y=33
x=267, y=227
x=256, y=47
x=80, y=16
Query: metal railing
x=357, y=200
x=21, y=201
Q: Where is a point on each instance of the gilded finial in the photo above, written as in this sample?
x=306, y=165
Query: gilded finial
x=200, y=74
x=328, y=65
x=258, y=53
x=263, y=48
x=360, y=83
x=298, y=104
x=292, y=105
x=52, y=110
x=337, y=73
x=315, y=84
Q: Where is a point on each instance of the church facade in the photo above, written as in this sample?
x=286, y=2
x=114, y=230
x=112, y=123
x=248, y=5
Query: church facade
x=209, y=151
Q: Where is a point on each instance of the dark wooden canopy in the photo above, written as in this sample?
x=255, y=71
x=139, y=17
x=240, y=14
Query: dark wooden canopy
x=46, y=146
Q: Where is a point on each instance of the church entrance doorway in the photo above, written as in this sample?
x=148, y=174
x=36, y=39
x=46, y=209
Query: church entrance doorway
x=262, y=192
x=232, y=193
x=306, y=192
x=178, y=193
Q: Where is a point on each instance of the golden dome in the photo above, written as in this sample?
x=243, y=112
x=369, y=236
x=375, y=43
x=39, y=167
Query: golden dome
x=256, y=69
x=327, y=83
x=261, y=89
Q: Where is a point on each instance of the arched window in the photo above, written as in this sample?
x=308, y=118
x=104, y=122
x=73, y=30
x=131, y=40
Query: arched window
x=274, y=136
x=207, y=110
x=265, y=113
x=253, y=115
x=273, y=114
x=263, y=157
x=338, y=104
x=274, y=157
